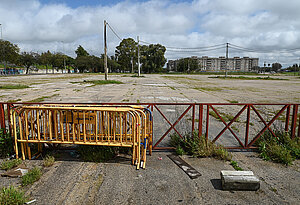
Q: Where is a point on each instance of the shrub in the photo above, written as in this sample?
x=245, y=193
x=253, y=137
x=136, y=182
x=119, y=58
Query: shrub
x=192, y=145
x=12, y=196
x=282, y=149
x=6, y=143
x=8, y=164
x=48, y=161
x=32, y=176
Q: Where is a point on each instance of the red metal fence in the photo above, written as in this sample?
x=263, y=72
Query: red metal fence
x=210, y=120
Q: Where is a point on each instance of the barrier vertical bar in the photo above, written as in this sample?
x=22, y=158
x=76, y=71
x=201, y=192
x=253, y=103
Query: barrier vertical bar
x=200, y=120
x=9, y=122
x=247, y=126
x=287, y=118
x=207, y=122
x=294, y=121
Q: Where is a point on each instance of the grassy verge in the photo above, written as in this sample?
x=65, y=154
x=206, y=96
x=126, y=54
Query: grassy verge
x=32, y=176
x=247, y=78
x=192, y=145
x=14, y=86
x=8, y=164
x=11, y=195
x=282, y=149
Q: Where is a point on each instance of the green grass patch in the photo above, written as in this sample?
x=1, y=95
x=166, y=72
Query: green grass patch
x=102, y=82
x=19, y=86
x=192, y=145
x=9, y=164
x=125, y=100
x=13, y=101
x=32, y=176
x=235, y=165
x=234, y=101
x=282, y=149
x=41, y=99
x=208, y=88
x=247, y=78
x=12, y=196
x=48, y=161
x=6, y=143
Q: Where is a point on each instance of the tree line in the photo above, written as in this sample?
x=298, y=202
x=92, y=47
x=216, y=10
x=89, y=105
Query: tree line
x=125, y=59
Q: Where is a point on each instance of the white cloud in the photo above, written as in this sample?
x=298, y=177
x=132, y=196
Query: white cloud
x=265, y=25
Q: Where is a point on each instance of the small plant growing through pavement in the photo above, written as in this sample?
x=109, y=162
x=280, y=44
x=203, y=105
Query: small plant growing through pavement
x=282, y=149
x=192, y=144
x=235, y=165
x=9, y=164
x=32, y=176
x=48, y=161
x=11, y=195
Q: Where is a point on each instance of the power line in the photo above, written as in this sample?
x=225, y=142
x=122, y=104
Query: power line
x=114, y=31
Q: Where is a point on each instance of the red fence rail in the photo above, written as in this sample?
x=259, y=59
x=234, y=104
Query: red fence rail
x=199, y=116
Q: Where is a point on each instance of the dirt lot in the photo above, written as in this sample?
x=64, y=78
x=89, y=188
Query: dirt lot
x=71, y=181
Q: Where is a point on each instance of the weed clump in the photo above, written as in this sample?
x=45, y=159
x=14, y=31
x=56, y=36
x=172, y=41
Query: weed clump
x=9, y=164
x=48, y=161
x=32, y=176
x=282, y=149
x=6, y=143
x=196, y=146
x=11, y=195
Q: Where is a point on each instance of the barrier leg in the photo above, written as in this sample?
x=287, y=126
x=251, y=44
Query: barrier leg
x=23, y=151
x=28, y=151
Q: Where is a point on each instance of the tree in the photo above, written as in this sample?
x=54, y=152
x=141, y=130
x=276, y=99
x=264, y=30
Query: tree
x=126, y=51
x=47, y=59
x=276, y=67
x=154, y=58
x=8, y=52
x=81, y=51
x=28, y=59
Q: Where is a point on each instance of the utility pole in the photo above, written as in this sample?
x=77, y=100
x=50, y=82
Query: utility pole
x=1, y=31
x=226, y=67
x=139, y=66
x=131, y=64
x=64, y=57
x=105, y=52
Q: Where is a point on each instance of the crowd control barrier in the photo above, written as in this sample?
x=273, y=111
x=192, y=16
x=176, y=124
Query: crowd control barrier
x=123, y=126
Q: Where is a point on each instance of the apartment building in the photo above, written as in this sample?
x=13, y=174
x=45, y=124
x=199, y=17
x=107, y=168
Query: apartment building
x=206, y=63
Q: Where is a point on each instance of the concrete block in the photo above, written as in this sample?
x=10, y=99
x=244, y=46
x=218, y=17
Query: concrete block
x=239, y=180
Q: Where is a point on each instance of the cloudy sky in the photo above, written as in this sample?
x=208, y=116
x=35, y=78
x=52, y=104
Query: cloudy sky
x=268, y=29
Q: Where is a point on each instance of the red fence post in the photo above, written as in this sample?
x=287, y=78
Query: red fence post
x=287, y=118
x=247, y=125
x=207, y=122
x=294, y=121
x=200, y=120
x=193, y=119
x=2, y=116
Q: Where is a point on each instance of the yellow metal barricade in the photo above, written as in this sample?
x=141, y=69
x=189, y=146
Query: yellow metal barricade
x=123, y=126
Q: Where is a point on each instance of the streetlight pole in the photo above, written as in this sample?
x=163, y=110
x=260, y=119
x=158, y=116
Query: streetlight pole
x=64, y=56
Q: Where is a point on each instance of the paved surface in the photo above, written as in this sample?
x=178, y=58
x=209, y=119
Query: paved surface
x=162, y=182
